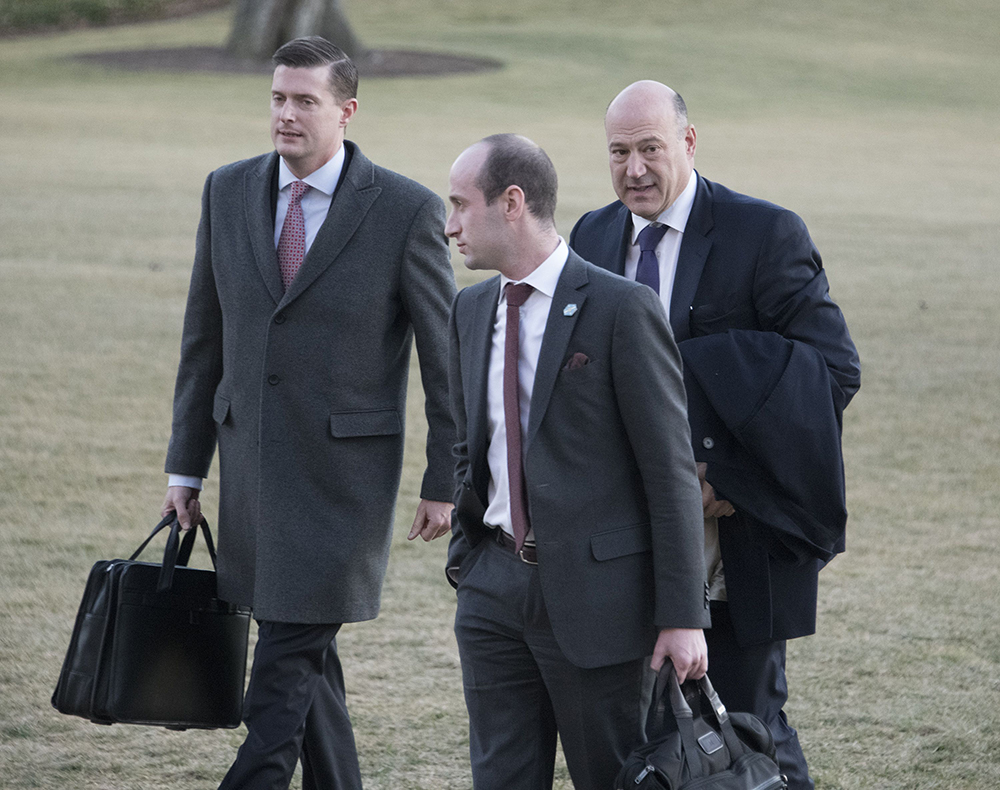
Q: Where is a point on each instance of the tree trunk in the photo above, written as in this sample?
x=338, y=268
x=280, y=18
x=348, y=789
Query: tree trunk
x=261, y=26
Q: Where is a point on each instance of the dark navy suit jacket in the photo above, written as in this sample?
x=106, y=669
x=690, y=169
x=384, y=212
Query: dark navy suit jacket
x=746, y=264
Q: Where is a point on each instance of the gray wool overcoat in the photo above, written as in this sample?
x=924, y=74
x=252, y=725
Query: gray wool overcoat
x=304, y=392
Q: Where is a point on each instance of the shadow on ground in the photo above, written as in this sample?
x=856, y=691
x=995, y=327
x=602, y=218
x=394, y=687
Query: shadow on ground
x=373, y=63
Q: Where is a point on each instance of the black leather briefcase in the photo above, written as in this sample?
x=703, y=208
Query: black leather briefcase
x=152, y=644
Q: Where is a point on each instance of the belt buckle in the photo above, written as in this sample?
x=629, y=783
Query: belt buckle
x=524, y=559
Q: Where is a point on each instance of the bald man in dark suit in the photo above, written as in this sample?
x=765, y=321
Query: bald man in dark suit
x=743, y=286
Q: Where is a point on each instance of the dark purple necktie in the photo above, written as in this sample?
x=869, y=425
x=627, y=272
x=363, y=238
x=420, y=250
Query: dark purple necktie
x=516, y=296
x=648, y=271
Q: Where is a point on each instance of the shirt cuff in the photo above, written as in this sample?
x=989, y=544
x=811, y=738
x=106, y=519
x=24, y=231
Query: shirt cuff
x=184, y=480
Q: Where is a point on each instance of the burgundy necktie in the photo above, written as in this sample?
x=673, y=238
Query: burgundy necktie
x=516, y=296
x=648, y=271
x=292, y=242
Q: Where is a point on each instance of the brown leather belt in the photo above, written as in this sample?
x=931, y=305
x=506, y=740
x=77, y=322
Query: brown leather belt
x=526, y=554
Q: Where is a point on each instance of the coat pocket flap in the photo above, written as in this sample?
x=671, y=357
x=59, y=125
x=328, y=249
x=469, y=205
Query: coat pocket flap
x=220, y=409
x=383, y=422
x=621, y=542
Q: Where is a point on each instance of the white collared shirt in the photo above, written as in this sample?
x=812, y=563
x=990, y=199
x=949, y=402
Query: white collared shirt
x=675, y=217
x=534, y=314
x=315, y=206
x=315, y=202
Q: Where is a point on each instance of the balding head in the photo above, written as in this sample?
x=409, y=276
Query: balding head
x=503, y=197
x=651, y=147
x=651, y=96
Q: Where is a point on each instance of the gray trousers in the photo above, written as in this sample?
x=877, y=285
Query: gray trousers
x=521, y=691
x=295, y=708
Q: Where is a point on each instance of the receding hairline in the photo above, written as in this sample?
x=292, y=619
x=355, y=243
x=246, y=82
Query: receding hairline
x=643, y=94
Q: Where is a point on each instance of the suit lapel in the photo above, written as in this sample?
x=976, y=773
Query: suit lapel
x=476, y=359
x=260, y=223
x=621, y=231
x=558, y=330
x=691, y=261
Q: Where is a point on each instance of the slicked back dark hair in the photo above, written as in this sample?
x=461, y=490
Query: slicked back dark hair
x=311, y=51
x=514, y=160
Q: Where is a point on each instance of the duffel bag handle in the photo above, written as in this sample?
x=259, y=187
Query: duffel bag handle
x=685, y=716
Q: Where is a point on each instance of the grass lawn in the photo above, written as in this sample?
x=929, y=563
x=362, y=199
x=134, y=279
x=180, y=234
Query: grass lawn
x=876, y=121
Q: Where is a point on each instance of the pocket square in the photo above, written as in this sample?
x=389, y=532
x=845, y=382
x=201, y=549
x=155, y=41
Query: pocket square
x=578, y=360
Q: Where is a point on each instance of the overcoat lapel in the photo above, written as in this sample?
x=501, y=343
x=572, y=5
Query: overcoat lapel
x=555, y=341
x=691, y=261
x=260, y=223
x=621, y=232
x=477, y=361
x=350, y=204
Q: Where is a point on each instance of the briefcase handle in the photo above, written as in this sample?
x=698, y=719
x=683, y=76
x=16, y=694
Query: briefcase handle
x=172, y=554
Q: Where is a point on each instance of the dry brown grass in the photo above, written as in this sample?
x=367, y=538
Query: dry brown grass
x=877, y=123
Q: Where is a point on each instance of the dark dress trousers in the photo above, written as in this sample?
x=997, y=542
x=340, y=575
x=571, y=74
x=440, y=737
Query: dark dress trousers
x=304, y=393
x=749, y=265
x=615, y=504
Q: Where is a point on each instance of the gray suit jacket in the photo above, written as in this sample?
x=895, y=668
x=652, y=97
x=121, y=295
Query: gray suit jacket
x=305, y=391
x=613, y=495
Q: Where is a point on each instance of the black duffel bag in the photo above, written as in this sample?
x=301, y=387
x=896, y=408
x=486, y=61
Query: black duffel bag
x=152, y=643
x=722, y=751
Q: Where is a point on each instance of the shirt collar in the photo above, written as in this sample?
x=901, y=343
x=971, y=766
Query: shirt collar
x=675, y=215
x=324, y=179
x=546, y=276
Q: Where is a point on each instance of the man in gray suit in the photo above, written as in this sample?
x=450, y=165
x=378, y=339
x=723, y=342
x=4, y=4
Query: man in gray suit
x=577, y=534
x=314, y=270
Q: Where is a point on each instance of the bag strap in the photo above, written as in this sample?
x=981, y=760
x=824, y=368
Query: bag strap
x=174, y=555
x=685, y=716
x=167, y=519
x=187, y=544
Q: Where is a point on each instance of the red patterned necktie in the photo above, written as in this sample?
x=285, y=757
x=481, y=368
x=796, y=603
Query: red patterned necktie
x=516, y=296
x=292, y=242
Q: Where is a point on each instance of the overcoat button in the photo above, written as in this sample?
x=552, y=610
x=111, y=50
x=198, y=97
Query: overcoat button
x=273, y=379
x=708, y=442
x=279, y=318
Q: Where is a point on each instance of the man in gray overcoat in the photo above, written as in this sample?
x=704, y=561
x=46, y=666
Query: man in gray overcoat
x=314, y=271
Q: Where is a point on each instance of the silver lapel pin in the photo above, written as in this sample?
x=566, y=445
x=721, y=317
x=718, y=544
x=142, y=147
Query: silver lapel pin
x=569, y=310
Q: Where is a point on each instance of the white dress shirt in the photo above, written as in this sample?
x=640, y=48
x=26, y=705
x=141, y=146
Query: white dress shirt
x=315, y=202
x=315, y=206
x=534, y=314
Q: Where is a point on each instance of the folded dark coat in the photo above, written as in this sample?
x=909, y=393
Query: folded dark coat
x=764, y=418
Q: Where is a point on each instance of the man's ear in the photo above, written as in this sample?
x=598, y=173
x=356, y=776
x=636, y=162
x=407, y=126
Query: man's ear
x=347, y=110
x=690, y=142
x=513, y=203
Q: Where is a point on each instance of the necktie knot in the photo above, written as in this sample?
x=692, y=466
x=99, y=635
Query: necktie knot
x=518, y=294
x=299, y=188
x=650, y=236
